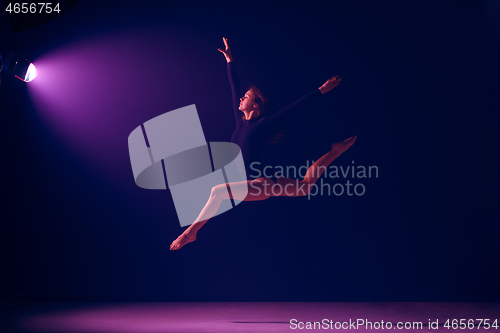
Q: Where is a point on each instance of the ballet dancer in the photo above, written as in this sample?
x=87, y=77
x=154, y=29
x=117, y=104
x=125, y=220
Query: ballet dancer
x=254, y=127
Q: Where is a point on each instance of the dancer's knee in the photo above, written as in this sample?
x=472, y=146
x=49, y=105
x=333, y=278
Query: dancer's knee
x=219, y=192
x=305, y=187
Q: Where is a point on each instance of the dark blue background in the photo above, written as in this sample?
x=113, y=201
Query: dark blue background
x=420, y=89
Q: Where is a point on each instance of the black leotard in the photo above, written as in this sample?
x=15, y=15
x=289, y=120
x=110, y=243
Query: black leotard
x=251, y=135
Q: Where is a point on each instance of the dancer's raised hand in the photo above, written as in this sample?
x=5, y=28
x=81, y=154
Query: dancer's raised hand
x=330, y=84
x=227, y=51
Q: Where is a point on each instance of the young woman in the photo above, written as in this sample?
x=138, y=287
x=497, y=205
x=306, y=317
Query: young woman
x=254, y=127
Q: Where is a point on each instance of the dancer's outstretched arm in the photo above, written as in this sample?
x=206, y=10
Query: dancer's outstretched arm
x=234, y=81
x=290, y=109
x=227, y=51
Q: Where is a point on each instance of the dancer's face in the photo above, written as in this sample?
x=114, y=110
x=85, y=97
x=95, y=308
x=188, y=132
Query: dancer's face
x=247, y=102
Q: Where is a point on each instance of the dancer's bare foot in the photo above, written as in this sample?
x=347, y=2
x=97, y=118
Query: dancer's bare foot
x=182, y=240
x=340, y=147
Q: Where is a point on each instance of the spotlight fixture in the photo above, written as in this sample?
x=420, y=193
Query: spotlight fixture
x=15, y=66
x=24, y=70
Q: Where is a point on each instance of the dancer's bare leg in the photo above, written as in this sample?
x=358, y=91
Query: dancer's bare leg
x=293, y=188
x=251, y=190
x=260, y=189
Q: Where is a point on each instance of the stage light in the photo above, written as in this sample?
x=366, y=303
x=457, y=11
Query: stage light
x=15, y=66
x=25, y=70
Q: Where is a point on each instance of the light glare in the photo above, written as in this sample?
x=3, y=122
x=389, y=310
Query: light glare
x=30, y=73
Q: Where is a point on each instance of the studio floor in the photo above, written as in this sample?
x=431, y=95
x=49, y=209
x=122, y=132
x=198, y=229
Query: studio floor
x=244, y=317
